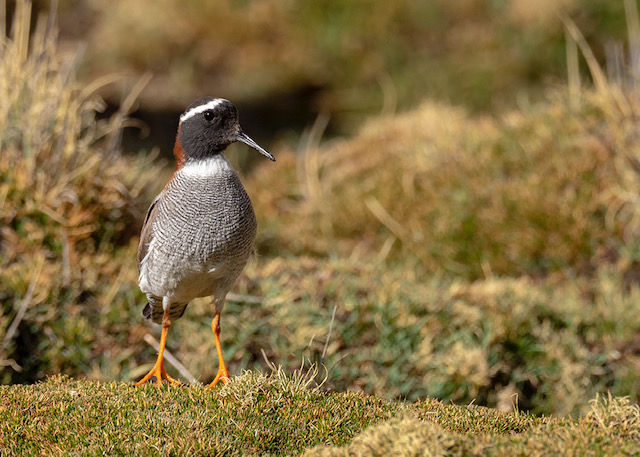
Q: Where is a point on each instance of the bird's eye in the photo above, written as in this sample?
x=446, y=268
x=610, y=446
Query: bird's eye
x=208, y=115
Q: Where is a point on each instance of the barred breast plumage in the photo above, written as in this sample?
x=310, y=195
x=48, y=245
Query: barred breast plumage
x=201, y=237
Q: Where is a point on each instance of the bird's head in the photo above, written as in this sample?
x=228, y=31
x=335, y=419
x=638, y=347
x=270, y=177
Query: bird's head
x=207, y=127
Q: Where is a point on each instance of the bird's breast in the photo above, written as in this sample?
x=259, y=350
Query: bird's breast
x=206, y=216
x=201, y=236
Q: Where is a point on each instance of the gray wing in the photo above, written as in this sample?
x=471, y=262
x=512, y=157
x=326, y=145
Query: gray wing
x=146, y=235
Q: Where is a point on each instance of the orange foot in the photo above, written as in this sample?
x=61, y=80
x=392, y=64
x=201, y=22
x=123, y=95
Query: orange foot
x=223, y=374
x=158, y=372
x=158, y=369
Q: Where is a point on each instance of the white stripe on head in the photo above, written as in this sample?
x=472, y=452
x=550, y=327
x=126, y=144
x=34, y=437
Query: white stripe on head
x=201, y=108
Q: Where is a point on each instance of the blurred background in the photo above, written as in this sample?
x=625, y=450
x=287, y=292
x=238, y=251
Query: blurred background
x=453, y=212
x=285, y=62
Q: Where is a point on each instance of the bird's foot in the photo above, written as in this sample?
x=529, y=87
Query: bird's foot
x=223, y=375
x=158, y=372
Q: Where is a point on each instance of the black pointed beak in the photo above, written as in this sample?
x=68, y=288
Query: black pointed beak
x=243, y=137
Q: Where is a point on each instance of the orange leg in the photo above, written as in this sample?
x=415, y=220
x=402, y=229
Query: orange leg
x=158, y=369
x=223, y=374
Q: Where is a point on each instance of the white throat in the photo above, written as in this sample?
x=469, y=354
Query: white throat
x=210, y=166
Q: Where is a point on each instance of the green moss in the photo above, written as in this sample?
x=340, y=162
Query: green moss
x=281, y=415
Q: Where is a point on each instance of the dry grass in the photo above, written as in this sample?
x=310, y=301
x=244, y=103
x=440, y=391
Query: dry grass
x=549, y=187
x=436, y=188
x=69, y=206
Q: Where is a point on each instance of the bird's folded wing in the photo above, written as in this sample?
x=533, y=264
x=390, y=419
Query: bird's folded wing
x=146, y=235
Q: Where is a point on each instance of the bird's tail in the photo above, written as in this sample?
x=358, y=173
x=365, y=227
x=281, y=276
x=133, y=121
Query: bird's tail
x=146, y=312
x=154, y=310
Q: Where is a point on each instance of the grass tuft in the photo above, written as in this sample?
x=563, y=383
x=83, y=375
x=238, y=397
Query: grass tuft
x=70, y=206
x=616, y=415
x=249, y=385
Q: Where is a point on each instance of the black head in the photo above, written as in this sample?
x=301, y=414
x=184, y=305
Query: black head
x=208, y=126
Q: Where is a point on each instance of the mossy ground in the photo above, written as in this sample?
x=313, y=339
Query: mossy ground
x=276, y=414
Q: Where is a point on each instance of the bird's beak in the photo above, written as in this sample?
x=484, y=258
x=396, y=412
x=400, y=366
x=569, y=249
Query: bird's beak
x=243, y=137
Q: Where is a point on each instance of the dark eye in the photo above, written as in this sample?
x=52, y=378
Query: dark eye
x=208, y=115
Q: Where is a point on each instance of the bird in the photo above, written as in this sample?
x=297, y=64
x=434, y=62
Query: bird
x=199, y=231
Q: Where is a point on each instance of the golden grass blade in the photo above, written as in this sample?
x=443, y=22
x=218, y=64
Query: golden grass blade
x=26, y=301
x=386, y=219
x=598, y=75
x=573, y=70
x=309, y=160
x=633, y=30
x=3, y=20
